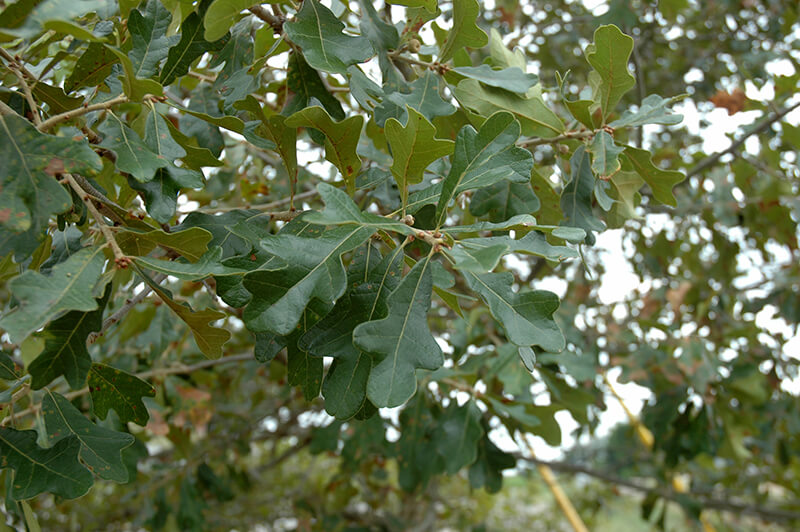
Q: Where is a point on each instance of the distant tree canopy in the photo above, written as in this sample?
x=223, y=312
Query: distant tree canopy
x=283, y=264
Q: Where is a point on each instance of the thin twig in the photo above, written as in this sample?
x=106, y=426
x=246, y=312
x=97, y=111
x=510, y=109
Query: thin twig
x=120, y=258
x=80, y=111
x=725, y=505
x=124, y=309
x=14, y=67
x=563, y=501
x=570, y=135
x=763, y=125
x=275, y=22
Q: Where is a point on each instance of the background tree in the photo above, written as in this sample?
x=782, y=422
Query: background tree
x=345, y=320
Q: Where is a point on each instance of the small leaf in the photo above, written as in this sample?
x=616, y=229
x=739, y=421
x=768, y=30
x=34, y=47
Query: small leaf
x=653, y=110
x=113, y=389
x=661, y=181
x=208, y=265
x=91, y=68
x=160, y=195
x=476, y=259
x=341, y=139
x=605, y=155
x=526, y=317
x=421, y=95
x=525, y=220
x=43, y=297
x=133, y=155
x=401, y=342
x=511, y=79
x=484, y=158
x=148, y=28
x=209, y=338
x=55, y=469
x=464, y=31
x=318, y=32
x=65, y=350
x=101, y=448
x=609, y=55
x=29, y=161
x=305, y=371
x=340, y=210
x=191, y=243
x=458, y=435
x=48, y=10
x=536, y=118
x=305, y=84
x=191, y=46
x=414, y=147
x=576, y=199
x=534, y=243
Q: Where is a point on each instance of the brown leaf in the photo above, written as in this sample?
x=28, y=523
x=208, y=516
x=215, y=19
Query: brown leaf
x=733, y=102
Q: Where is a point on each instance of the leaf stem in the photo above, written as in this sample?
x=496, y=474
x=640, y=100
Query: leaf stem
x=570, y=135
x=20, y=72
x=120, y=258
x=80, y=111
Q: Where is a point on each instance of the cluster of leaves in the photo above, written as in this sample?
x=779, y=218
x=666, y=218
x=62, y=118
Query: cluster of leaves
x=440, y=174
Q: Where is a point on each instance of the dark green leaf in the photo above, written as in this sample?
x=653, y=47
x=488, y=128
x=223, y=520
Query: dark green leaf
x=458, y=436
x=661, y=181
x=421, y=95
x=605, y=155
x=122, y=392
x=511, y=79
x=191, y=46
x=101, y=448
x=306, y=85
x=340, y=210
x=65, y=350
x=503, y=200
x=191, y=243
x=464, y=31
x=653, y=110
x=56, y=469
x=608, y=55
x=91, y=68
x=133, y=155
x=148, y=27
x=576, y=199
x=401, y=342
x=318, y=32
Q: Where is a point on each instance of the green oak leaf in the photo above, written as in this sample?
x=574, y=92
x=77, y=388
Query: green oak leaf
x=536, y=118
x=91, y=68
x=370, y=279
x=56, y=99
x=483, y=158
x=305, y=85
x=414, y=147
x=660, y=181
x=43, y=297
x=114, y=389
x=133, y=155
x=430, y=5
x=518, y=221
x=626, y=186
x=477, y=259
x=401, y=342
x=29, y=161
x=384, y=36
x=191, y=46
x=609, y=55
x=317, y=31
x=458, y=434
x=417, y=458
x=576, y=199
x=341, y=139
x=220, y=227
x=101, y=448
x=512, y=79
x=305, y=371
x=653, y=110
x=158, y=138
x=148, y=27
x=196, y=157
x=504, y=200
x=501, y=56
x=315, y=271
x=526, y=317
x=285, y=139
x=8, y=368
x=341, y=210
x=208, y=265
x=209, y=338
x=605, y=155
x=221, y=15
x=55, y=469
x=487, y=471
x=65, y=350
x=422, y=95
x=160, y=195
x=533, y=243
x=464, y=31
x=191, y=243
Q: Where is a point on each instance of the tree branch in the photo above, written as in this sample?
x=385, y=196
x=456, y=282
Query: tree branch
x=120, y=258
x=770, y=514
x=80, y=111
x=124, y=309
x=760, y=127
x=276, y=23
x=20, y=72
